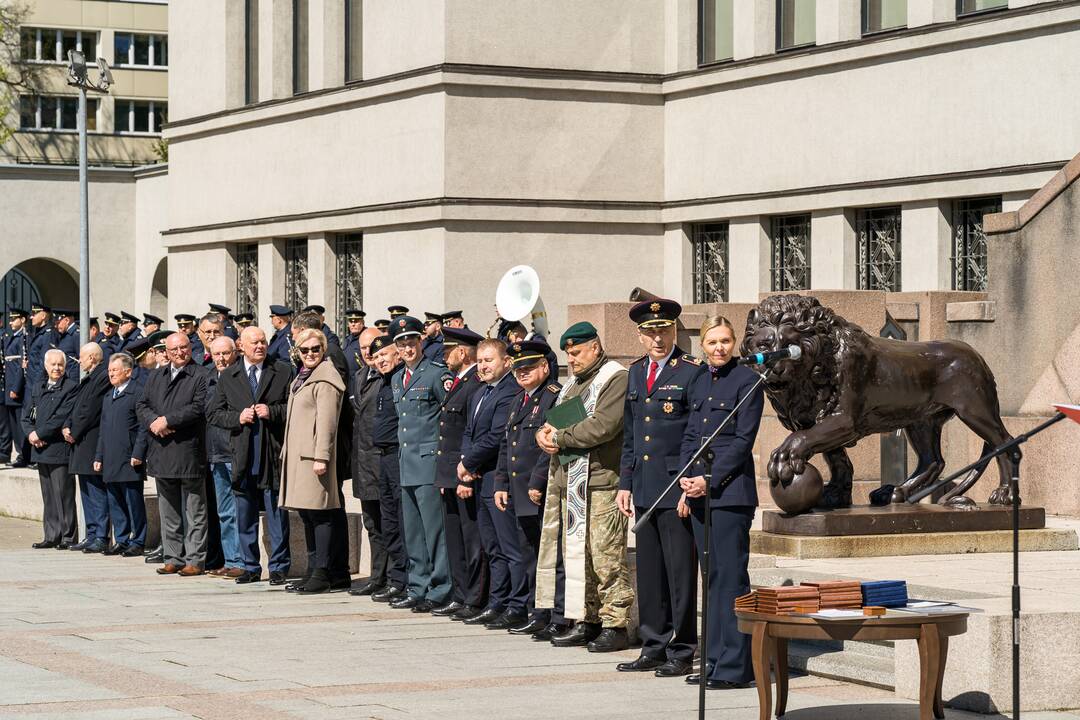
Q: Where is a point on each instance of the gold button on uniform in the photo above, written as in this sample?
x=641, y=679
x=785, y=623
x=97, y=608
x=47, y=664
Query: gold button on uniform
x=648, y=400
x=645, y=458
x=646, y=438
x=648, y=419
x=513, y=458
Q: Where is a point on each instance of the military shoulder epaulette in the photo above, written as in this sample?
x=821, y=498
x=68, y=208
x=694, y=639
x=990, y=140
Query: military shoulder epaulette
x=690, y=359
x=436, y=363
x=554, y=388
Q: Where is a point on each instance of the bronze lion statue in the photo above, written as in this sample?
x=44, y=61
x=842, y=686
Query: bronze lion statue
x=849, y=384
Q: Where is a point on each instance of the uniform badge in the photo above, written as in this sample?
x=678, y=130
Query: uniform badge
x=669, y=407
x=517, y=348
x=447, y=384
x=655, y=307
x=673, y=362
x=536, y=409
x=401, y=323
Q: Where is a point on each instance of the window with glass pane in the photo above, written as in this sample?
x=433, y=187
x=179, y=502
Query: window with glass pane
x=349, y=255
x=300, y=46
x=48, y=112
x=967, y=7
x=160, y=115
x=710, y=263
x=91, y=114
x=69, y=40
x=142, y=117
x=160, y=46
x=791, y=252
x=879, y=15
x=142, y=49
x=878, y=261
x=69, y=113
x=969, y=251
x=28, y=112
x=354, y=39
x=717, y=30
x=28, y=43
x=122, y=47
x=251, y=51
x=247, y=278
x=796, y=23
x=296, y=273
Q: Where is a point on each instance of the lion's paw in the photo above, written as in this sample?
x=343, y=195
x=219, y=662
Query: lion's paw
x=1001, y=495
x=961, y=502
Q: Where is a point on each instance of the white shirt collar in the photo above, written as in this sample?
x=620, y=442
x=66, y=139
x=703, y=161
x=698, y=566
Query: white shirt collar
x=465, y=370
x=660, y=363
x=122, y=387
x=248, y=366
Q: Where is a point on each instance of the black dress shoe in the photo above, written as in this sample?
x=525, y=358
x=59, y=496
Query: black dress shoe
x=63, y=545
x=530, y=628
x=424, y=606
x=154, y=555
x=642, y=664
x=80, y=546
x=580, y=635
x=448, y=609
x=388, y=594
x=45, y=545
x=115, y=550
x=695, y=679
x=506, y=621
x=365, y=588
x=318, y=583
x=406, y=603
x=133, y=551
x=550, y=630
x=340, y=584
x=248, y=577
x=20, y=463
x=485, y=617
x=674, y=668
x=610, y=640
x=466, y=613
x=95, y=547
x=277, y=577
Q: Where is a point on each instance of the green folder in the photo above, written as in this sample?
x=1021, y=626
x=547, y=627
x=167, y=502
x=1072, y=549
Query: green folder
x=563, y=416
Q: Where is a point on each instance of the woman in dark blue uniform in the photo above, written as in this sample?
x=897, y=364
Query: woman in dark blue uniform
x=732, y=496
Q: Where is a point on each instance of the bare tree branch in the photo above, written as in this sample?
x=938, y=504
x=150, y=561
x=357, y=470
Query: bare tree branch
x=17, y=75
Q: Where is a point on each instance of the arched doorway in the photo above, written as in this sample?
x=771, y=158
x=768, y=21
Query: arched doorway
x=19, y=291
x=159, y=290
x=40, y=280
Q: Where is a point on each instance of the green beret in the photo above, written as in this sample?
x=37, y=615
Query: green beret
x=576, y=334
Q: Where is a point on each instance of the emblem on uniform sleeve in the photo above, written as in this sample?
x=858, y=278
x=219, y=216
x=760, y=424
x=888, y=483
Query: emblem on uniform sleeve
x=668, y=407
x=447, y=384
x=655, y=307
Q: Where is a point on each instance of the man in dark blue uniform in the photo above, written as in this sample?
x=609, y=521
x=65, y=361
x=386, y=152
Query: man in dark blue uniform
x=522, y=473
x=43, y=337
x=151, y=324
x=397, y=311
x=468, y=566
x=331, y=336
x=243, y=320
x=185, y=323
x=384, y=436
x=281, y=340
x=110, y=334
x=67, y=331
x=5, y=431
x=381, y=324
x=655, y=418
x=433, y=337
x=128, y=330
x=16, y=348
x=228, y=328
x=354, y=319
x=453, y=319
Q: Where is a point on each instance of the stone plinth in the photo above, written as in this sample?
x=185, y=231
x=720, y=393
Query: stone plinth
x=944, y=543
x=900, y=518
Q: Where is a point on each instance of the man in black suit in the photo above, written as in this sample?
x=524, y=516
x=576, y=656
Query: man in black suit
x=81, y=433
x=468, y=565
x=488, y=410
x=171, y=408
x=251, y=402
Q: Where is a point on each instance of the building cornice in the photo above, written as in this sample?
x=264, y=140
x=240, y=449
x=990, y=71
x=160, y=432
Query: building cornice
x=27, y=171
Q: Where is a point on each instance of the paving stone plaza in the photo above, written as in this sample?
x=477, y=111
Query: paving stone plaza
x=98, y=638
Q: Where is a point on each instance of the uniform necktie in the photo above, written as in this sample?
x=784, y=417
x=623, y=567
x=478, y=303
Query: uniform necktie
x=525, y=401
x=653, y=368
x=408, y=377
x=256, y=426
x=457, y=381
x=115, y=393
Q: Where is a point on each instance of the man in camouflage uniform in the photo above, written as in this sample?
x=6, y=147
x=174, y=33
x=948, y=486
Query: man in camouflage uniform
x=598, y=592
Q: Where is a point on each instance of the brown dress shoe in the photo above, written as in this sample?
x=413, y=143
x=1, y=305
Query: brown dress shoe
x=190, y=571
x=232, y=573
x=216, y=572
x=168, y=569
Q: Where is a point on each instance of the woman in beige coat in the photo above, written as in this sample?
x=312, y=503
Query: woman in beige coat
x=309, y=453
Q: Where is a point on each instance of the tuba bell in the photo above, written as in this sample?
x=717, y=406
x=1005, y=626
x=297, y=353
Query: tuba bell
x=517, y=298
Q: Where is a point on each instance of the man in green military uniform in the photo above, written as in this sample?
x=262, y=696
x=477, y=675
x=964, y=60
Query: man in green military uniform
x=582, y=494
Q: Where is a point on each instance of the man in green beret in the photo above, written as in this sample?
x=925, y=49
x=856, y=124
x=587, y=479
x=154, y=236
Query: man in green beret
x=581, y=493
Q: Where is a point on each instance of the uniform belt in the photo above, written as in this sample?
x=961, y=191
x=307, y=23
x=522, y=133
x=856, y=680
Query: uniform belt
x=387, y=450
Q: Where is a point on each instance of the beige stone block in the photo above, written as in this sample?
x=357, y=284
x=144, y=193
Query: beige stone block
x=853, y=546
x=979, y=311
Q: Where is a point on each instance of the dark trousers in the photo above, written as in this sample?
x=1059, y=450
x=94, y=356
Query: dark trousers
x=6, y=438
x=18, y=437
x=371, y=515
x=498, y=567
x=728, y=650
x=468, y=565
x=58, y=499
x=390, y=507
x=95, y=506
x=530, y=527
x=127, y=510
x=248, y=505
x=215, y=556
x=667, y=575
x=339, y=541
x=425, y=543
x=319, y=535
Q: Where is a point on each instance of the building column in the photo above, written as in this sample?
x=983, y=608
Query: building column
x=235, y=55
x=681, y=31
x=838, y=21
x=832, y=250
x=275, y=49
x=213, y=265
x=925, y=246
x=326, y=46
x=929, y=12
x=271, y=278
x=678, y=264
x=749, y=249
x=754, y=30
x=322, y=283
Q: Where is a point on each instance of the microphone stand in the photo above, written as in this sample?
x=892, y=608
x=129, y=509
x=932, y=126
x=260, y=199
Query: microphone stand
x=704, y=451
x=1012, y=449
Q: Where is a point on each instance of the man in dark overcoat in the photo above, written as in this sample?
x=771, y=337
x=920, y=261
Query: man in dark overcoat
x=81, y=432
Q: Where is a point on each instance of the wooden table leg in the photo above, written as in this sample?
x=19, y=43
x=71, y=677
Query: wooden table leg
x=781, y=660
x=759, y=651
x=939, y=706
x=930, y=667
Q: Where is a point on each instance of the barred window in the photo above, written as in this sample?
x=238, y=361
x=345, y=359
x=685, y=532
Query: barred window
x=247, y=278
x=878, y=263
x=791, y=252
x=969, y=255
x=710, y=268
x=296, y=273
x=349, y=254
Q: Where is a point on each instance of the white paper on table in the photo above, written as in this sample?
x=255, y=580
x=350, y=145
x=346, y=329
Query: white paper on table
x=833, y=614
x=916, y=604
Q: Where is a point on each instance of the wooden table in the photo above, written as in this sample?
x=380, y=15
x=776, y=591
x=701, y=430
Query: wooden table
x=770, y=635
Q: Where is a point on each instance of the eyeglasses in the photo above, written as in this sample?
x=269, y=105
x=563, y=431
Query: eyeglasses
x=310, y=350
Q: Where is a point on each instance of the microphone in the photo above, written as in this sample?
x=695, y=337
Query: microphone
x=793, y=352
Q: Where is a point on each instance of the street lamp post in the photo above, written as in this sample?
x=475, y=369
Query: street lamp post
x=78, y=77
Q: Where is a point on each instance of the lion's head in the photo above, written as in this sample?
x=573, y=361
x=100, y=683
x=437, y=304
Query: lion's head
x=805, y=390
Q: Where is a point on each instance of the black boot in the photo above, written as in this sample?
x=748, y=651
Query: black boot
x=580, y=635
x=610, y=640
x=319, y=582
